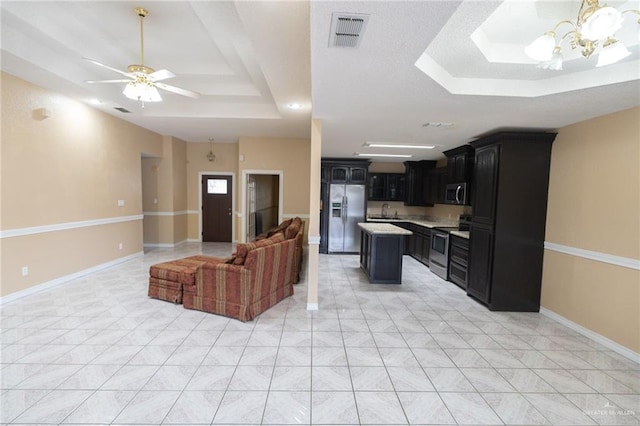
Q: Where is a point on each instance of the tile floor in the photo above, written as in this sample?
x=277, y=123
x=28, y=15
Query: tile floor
x=98, y=351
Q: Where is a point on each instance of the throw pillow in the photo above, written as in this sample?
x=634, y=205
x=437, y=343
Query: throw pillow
x=243, y=249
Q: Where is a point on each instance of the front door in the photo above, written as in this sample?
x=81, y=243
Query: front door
x=216, y=208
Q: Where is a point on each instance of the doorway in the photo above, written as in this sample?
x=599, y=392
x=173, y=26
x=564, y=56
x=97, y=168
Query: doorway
x=217, y=208
x=263, y=201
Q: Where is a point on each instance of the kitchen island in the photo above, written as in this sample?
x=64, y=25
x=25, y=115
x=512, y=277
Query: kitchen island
x=381, y=250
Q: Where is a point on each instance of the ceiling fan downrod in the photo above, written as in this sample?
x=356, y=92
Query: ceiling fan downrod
x=141, y=68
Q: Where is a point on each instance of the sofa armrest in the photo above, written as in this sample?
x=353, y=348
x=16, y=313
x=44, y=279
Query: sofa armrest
x=222, y=281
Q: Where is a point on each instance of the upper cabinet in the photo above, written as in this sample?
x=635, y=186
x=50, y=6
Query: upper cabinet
x=417, y=182
x=350, y=172
x=386, y=187
x=486, y=175
x=459, y=164
x=437, y=183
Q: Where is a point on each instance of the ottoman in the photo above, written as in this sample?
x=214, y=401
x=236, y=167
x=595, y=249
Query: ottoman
x=166, y=279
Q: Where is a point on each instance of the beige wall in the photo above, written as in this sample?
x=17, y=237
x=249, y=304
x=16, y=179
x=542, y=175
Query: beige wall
x=594, y=204
x=291, y=156
x=73, y=166
x=164, y=194
x=197, y=164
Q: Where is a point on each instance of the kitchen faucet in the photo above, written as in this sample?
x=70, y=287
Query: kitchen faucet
x=383, y=209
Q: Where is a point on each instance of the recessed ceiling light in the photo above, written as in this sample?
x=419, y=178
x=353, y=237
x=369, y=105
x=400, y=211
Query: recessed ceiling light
x=295, y=105
x=437, y=124
x=362, y=154
x=95, y=101
x=395, y=145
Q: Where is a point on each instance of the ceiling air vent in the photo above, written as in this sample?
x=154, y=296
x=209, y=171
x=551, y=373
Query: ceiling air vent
x=124, y=110
x=347, y=29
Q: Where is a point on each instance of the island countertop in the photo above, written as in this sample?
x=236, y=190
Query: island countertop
x=383, y=228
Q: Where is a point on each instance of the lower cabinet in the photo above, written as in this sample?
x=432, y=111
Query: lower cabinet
x=418, y=244
x=481, y=256
x=459, y=261
x=381, y=257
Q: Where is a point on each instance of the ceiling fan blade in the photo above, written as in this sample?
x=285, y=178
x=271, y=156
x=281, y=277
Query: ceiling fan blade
x=160, y=75
x=126, y=74
x=108, y=81
x=179, y=91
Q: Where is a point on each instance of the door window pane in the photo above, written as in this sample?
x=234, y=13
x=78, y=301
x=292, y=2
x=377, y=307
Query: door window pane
x=216, y=186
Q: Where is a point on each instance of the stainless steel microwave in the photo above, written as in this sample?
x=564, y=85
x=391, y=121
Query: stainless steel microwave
x=456, y=193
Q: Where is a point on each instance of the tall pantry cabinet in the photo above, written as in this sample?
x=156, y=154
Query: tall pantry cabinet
x=506, y=243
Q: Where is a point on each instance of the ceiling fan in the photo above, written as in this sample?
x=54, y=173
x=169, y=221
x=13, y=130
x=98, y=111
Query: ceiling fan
x=142, y=81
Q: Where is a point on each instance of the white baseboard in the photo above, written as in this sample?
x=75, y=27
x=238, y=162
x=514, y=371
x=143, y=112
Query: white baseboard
x=312, y=306
x=604, y=341
x=165, y=245
x=61, y=280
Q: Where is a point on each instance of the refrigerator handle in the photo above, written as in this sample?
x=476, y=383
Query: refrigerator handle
x=345, y=208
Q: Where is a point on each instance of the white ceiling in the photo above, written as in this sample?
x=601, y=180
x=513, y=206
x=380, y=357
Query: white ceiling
x=417, y=62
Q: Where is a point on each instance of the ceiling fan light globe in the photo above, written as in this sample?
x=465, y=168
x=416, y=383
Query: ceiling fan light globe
x=612, y=52
x=541, y=49
x=143, y=92
x=603, y=23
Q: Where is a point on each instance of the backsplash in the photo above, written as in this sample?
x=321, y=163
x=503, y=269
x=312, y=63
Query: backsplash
x=439, y=212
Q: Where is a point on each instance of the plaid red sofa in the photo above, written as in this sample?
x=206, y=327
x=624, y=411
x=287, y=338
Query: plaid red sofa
x=258, y=276
x=291, y=229
x=166, y=279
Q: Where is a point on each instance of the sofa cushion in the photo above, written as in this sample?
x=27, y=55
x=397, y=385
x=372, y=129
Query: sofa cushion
x=293, y=229
x=280, y=228
x=243, y=249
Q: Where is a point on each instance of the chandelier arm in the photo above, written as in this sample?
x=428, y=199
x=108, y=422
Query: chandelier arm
x=637, y=12
x=585, y=12
x=564, y=22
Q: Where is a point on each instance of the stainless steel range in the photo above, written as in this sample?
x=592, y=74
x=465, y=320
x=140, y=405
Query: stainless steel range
x=439, y=252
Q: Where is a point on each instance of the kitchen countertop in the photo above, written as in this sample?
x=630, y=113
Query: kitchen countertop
x=383, y=228
x=421, y=222
x=461, y=234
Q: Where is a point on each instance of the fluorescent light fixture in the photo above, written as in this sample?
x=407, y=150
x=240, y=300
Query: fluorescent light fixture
x=294, y=106
x=394, y=145
x=362, y=154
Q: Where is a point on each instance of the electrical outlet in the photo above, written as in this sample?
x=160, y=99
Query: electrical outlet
x=120, y=246
x=25, y=271
x=120, y=203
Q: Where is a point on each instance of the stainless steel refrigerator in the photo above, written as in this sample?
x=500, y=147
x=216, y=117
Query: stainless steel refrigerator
x=347, y=208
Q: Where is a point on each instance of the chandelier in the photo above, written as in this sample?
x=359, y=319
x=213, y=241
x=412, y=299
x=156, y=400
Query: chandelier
x=595, y=26
x=211, y=156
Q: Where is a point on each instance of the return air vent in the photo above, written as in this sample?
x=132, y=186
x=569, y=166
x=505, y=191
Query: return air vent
x=347, y=29
x=124, y=110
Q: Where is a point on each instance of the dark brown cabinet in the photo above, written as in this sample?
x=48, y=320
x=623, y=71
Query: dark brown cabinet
x=485, y=184
x=480, y=249
x=459, y=261
x=459, y=164
x=506, y=243
x=437, y=183
x=381, y=257
x=417, y=182
x=348, y=174
x=418, y=244
x=386, y=187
